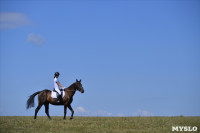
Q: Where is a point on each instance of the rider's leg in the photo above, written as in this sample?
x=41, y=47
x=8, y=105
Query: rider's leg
x=59, y=96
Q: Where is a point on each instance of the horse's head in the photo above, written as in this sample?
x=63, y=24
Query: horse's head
x=79, y=86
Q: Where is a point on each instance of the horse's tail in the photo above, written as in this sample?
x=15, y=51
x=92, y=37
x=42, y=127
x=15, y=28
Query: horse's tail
x=30, y=102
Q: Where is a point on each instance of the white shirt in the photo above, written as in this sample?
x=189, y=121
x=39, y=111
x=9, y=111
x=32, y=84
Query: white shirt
x=55, y=83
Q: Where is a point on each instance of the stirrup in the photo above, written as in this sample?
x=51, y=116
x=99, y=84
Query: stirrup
x=59, y=98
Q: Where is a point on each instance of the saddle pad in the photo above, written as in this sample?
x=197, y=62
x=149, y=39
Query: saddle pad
x=54, y=94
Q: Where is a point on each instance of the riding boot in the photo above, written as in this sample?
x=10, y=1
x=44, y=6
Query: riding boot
x=58, y=98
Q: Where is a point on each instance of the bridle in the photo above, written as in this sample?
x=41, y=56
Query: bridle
x=79, y=89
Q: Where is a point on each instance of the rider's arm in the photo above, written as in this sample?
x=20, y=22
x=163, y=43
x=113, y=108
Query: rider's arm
x=59, y=84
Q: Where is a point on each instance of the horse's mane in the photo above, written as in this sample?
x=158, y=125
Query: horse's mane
x=71, y=86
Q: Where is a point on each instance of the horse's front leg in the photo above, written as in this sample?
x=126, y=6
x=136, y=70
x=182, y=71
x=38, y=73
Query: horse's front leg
x=65, y=111
x=69, y=106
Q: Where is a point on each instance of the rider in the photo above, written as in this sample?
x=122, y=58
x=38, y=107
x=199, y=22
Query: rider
x=57, y=85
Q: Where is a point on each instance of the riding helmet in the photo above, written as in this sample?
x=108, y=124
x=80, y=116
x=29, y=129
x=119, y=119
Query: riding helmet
x=57, y=73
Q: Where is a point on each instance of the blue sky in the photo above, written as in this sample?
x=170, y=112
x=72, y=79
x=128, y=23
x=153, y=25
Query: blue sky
x=134, y=57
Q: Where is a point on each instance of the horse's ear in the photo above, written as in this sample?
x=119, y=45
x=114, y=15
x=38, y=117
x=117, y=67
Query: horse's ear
x=76, y=80
x=80, y=80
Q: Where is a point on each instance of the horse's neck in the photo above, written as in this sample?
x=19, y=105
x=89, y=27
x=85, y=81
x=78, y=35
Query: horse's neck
x=71, y=89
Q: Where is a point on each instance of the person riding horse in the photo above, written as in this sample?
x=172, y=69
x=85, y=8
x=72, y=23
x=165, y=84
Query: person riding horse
x=45, y=98
x=57, y=86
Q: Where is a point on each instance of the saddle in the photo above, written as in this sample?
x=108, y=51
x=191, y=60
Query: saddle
x=60, y=90
x=54, y=93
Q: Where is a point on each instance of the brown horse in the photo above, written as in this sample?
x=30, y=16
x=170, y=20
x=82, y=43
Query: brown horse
x=44, y=98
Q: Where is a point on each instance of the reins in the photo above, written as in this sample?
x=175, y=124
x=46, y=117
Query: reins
x=68, y=89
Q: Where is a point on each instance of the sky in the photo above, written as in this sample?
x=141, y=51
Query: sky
x=135, y=58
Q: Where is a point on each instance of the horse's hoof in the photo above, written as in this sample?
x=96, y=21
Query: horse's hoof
x=71, y=118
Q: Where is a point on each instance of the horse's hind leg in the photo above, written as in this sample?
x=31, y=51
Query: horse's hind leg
x=37, y=109
x=41, y=101
x=47, y=110
x=70, y=108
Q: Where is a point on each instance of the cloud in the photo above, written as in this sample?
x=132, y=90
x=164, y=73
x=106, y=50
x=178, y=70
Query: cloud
x=81, y=111
x=36, y=39
x=11, y=20
x=142, y=113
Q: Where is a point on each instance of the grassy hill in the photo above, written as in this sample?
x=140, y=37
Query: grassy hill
x=26, y=124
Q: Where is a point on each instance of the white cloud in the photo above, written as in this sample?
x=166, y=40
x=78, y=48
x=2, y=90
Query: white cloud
x=142, y=113
x=81, y=111
x=36, y=39
x=10, y=20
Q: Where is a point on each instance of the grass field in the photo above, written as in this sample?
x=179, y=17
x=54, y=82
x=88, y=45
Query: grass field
x=26, y=124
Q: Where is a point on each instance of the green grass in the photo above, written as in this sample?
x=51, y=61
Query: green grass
x=26, y=124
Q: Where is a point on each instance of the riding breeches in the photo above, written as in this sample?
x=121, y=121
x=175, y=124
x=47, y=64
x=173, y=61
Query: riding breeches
x=58, y=90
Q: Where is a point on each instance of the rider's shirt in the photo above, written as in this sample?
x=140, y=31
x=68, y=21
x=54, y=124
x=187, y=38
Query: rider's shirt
x=55, y=83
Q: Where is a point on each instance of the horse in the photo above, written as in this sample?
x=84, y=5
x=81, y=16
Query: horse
x=44, y=98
